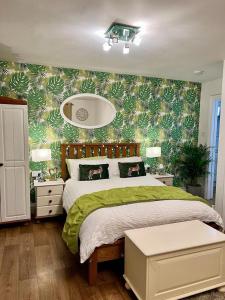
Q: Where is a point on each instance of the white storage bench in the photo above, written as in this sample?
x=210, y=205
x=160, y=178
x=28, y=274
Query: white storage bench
x=174, y=261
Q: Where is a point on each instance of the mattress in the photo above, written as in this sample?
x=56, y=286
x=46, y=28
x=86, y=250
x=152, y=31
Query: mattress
x=106, y=225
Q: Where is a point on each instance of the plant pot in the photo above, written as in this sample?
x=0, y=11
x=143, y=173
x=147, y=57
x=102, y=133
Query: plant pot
x=196, y=190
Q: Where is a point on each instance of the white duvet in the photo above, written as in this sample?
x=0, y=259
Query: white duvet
x=106, y=225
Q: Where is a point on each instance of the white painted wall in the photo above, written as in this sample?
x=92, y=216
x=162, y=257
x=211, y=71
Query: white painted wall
x=220, y=190
x=210, y=90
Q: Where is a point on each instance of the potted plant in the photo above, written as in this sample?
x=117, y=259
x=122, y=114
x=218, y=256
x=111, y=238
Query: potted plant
x=193, y=165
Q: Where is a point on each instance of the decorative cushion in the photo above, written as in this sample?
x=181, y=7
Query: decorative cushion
x=94, y=172
x=132, y=169
x=113, y=164
x=73, y=165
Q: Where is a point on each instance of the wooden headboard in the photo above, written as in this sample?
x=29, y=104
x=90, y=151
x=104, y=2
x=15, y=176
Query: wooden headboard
x=111, y=150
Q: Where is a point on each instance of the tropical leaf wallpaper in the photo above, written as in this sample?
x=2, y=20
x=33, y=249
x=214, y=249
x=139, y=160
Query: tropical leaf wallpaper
x=153, y=111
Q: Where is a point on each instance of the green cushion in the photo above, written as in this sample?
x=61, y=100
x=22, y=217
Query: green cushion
x=132, y=169
x=94, y=172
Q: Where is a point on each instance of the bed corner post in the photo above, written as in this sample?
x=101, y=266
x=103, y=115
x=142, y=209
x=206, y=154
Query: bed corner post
x=92, y=268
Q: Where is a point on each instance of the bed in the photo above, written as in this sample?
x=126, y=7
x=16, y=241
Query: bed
x=101, y=234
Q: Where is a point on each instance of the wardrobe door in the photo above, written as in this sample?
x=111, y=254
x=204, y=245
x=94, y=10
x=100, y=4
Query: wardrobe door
x=15, y=202
x=1, y=165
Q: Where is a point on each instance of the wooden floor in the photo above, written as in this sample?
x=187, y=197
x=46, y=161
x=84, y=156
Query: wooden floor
x=35, y=264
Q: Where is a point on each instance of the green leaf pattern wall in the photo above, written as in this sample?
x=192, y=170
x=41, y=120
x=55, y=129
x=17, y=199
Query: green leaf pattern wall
x=153, y=111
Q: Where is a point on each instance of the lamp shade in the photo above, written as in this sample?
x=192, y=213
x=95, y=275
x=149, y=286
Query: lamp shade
x=41, y=154
x=153, y=152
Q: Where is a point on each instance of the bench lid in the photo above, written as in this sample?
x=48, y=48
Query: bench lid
x=174, y=237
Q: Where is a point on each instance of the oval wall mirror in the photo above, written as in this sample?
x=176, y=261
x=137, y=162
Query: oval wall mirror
x=88, y=111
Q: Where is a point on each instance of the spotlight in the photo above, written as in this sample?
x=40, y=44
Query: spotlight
x=137, y=40
x=121, y=33
x=106, y=46
x=126, y=49
x=115, y=39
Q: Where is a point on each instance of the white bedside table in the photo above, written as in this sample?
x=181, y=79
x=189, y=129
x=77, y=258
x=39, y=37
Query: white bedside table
x=166, y=178
x=48, y=196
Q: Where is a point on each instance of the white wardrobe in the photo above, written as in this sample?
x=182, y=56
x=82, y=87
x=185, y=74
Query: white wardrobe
x=14, y=163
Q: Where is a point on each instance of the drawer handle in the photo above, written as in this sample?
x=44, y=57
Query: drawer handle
x=164, y=182
x=49, y=191
x=50, y=211
x=50, y=201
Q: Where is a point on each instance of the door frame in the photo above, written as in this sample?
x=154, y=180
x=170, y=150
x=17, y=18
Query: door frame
x=216, y=103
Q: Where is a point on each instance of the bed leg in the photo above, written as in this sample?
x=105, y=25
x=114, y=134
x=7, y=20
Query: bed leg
x=92, y=269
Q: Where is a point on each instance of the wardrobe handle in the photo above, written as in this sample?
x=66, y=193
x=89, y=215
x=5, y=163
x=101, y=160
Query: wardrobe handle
x=1, y=164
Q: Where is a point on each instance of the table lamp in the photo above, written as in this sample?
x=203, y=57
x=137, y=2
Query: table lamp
x=153, y=152
x=39, y=155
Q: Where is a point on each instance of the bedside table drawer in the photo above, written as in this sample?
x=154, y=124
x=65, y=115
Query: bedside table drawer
x=49, y=190
x=166, y=181
x=49, y=200
x=52, y=210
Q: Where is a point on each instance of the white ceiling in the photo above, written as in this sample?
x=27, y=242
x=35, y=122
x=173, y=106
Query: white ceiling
x=179, y=36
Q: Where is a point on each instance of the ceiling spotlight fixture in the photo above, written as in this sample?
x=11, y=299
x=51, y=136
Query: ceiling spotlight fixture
x=137, y=40
x=126, y=49
x=115, y=39
x=106, y=46
x=126, y=33
x=118, y=33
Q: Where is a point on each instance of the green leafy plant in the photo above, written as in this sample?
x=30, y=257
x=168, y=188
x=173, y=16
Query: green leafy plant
x=192, y=163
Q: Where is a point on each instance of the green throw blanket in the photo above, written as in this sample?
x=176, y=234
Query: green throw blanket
x=88, y=203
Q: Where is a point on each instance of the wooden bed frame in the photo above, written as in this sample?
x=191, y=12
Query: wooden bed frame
x=111, y=150
x=111, y=251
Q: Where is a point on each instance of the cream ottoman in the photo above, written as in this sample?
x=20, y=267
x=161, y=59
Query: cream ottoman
x=174, y=261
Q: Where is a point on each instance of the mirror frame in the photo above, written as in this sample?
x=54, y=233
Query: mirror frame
x=90, y=96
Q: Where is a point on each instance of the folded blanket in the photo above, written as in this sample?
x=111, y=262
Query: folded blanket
x=88, y=203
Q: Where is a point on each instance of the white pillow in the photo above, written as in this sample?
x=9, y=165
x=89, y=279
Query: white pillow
x=95, y=157
x=73, y=165
x=114, y=167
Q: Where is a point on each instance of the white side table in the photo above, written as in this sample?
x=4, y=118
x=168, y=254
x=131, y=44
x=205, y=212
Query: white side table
x=48, y=196
x=166, y=178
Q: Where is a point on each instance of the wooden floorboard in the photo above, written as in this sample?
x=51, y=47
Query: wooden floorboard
x=35, y=264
